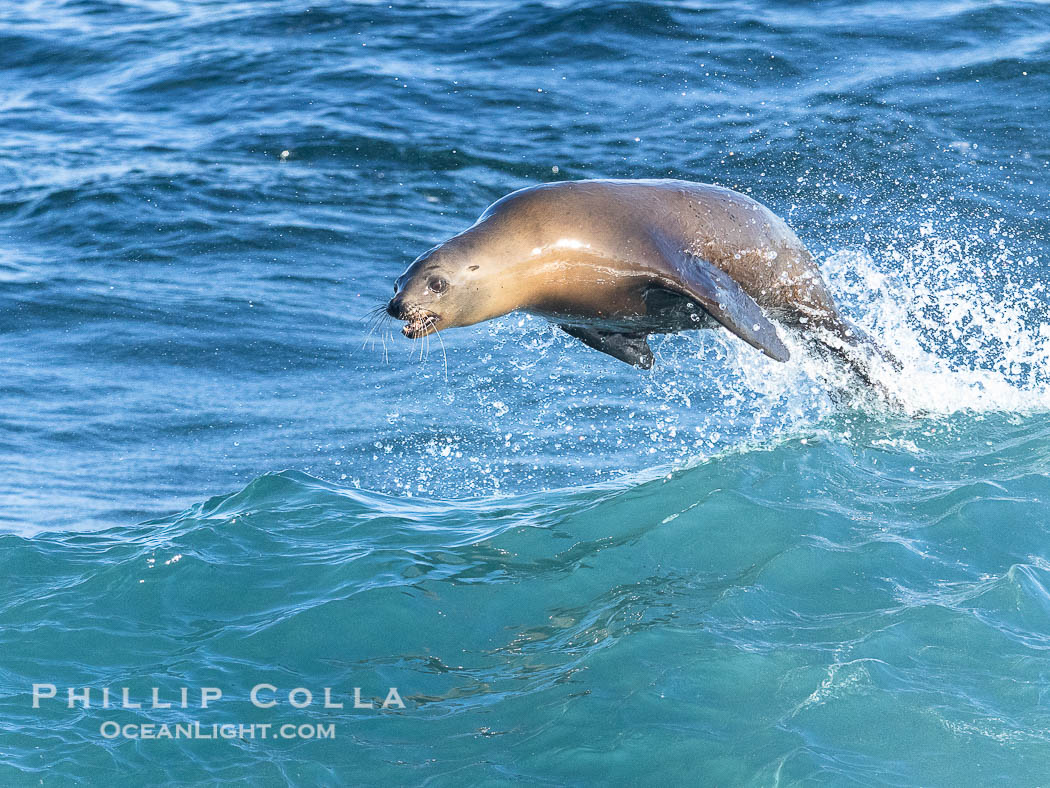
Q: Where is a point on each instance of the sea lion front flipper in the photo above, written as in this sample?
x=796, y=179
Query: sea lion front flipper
x=725, y=300
x=631, y=348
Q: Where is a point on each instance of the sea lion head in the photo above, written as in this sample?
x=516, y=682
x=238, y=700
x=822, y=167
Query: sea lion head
x=460, y=282
x=514, y=257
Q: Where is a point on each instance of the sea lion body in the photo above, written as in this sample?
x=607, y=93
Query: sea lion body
x=612, y=261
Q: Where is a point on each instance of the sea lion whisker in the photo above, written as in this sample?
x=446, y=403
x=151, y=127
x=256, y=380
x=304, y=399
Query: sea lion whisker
x=370, y=335
x=444, y=355
x=372, y=313
x=376, y=333
x=375, y=318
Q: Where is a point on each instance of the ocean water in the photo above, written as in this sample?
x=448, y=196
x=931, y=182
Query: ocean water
x=216, y=473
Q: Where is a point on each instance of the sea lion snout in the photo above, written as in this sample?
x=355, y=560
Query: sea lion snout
x=396, y=307
x=419, y=321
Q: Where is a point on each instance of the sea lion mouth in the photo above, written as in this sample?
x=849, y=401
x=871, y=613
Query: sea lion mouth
x=420, y=324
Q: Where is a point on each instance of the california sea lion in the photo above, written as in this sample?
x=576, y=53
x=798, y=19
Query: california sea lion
x=612, y=261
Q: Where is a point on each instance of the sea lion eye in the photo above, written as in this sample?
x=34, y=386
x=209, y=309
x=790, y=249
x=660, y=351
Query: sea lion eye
x=437, y=285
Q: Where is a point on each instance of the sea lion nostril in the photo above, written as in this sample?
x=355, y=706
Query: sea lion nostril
x=395, y=307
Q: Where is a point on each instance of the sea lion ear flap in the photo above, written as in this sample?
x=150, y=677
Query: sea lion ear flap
x=725, y=300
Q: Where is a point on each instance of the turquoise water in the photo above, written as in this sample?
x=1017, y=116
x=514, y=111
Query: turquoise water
x=216, y=474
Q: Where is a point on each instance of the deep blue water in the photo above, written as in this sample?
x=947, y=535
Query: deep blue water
x=574, y=572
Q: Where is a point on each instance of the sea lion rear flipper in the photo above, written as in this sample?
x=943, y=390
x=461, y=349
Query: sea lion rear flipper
x=840, y=340
x=631, y=348
x=725, y=300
